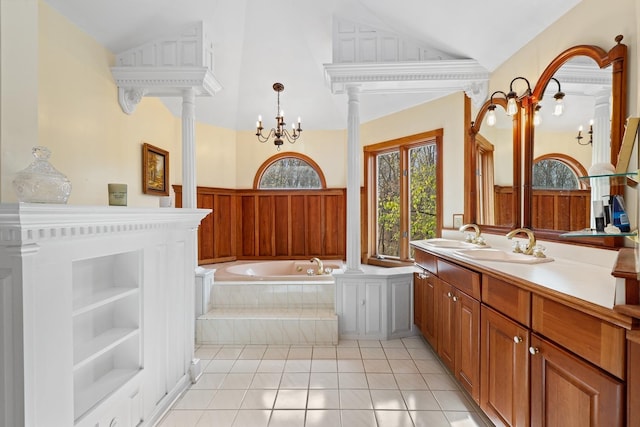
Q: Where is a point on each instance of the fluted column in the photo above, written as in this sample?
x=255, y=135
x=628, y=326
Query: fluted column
x=354, y=174
x=189, y=149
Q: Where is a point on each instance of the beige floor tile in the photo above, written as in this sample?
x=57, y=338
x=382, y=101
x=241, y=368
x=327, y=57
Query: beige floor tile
x=323, y=418
x=394, y=419
x=388, y=400
x=358, y=418
x=382, y=382
x=287, y=418
x=221, y=418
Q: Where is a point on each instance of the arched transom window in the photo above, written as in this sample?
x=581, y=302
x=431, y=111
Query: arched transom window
x=558, y=172
x=293, y=171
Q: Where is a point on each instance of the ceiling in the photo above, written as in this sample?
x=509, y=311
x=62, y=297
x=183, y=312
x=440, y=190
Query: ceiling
x=257, y=43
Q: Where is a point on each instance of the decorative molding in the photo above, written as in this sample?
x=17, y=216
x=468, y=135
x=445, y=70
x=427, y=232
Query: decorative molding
x=166, y=67
x=442, y=76
x=189, y=46
x=29, y=224
x=358, y=43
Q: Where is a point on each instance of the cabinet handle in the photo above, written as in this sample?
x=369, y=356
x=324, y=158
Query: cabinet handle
x=517, y=339
x=455, y=299
x=362, y=302
x=449, y=294
x=534, y=350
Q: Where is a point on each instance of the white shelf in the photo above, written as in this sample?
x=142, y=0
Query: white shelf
x=87, y=398
x=103, y=297
x=86, y=352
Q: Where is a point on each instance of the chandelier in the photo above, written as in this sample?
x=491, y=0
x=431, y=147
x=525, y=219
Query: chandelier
x=280, y=131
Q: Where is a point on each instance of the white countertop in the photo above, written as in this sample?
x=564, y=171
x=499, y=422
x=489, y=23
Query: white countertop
x=577, y=271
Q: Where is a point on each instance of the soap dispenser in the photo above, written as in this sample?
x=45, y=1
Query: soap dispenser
x=619, y=216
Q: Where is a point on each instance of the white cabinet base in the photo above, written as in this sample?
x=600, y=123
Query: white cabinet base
x=377, y=304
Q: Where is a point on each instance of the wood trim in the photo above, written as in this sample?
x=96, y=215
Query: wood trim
x=410, y=140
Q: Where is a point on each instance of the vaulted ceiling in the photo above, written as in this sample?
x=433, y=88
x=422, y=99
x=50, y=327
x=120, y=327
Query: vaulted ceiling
x=257, y=43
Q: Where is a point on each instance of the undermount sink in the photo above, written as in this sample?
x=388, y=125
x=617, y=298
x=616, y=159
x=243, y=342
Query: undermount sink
x=451, y=244
x=501, y=256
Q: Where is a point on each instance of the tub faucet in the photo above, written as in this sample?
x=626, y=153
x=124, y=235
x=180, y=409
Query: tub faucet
x=477, y=239
x=532, y=239
x=320, y=265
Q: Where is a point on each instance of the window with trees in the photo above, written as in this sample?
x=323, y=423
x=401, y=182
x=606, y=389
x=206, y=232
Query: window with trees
x=558, y=172
x=289, y=171
x=404, y=177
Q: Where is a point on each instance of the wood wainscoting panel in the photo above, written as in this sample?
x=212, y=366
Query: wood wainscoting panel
x=298, y=226
x=314, y=224
x=282, y=230
x=268, y=224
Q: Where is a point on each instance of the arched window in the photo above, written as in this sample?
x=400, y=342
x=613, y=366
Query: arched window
x=557, y=171
x=292, y=171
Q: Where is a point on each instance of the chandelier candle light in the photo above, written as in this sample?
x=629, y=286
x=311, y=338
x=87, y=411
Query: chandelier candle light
x=280, y=131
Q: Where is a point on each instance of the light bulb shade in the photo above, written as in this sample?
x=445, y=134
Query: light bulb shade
x=512, y=106
x=537, y=118
x=491, y=117
x=559, y=107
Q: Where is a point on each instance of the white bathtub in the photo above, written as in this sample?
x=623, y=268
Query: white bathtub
x=275, y=271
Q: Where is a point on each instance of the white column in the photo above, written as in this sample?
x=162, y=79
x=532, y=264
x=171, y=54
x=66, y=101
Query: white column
x=601, y=147
x=354, y=174
x=189, y=149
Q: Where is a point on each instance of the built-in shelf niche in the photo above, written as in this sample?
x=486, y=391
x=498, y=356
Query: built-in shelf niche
x=106, y=326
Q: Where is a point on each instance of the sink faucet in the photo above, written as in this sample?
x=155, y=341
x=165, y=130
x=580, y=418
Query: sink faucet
x=320, y=265
x=475, y=239
x=532, y=239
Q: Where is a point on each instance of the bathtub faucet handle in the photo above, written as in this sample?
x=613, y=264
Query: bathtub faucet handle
x=320, y=265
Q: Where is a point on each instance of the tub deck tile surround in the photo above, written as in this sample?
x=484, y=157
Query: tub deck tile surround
x=292, y=311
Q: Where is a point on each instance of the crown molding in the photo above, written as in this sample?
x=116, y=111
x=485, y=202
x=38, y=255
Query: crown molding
x=134, y=83
x=438, y=76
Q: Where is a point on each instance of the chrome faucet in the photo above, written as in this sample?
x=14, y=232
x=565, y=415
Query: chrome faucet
x=532, y=239
x=320, y=265
x=477, y=239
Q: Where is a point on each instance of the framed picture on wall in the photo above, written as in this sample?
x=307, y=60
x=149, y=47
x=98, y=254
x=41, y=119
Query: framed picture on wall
x=155, y=170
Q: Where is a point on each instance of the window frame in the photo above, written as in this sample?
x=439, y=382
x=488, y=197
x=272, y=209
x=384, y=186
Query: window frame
x=403, y=145
x=273, y=159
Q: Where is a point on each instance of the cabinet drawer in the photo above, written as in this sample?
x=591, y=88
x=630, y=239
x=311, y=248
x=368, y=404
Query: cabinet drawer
x=425, y=260
x=508, y=299
x=599, y=342
x=466, y=280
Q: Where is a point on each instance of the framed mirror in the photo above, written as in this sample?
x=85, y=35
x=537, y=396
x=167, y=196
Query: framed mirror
x=594, y=82
x=565, y=146
x=493, y=195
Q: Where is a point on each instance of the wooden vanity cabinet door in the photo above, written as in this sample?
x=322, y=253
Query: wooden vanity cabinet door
x=430, y=310
x=446, y=322
x=467, y=345
x=419, y=280
x=570, y=392
x=504, y=371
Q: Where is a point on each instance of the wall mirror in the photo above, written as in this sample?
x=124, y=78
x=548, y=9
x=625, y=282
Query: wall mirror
x=563, y=147
x=494, y=198
x=552, y=198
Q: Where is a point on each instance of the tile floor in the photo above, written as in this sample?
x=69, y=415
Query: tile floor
x=393, y=383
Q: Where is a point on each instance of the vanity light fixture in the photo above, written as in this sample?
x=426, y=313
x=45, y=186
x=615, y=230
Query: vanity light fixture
x=559, y=97
x=491, y=114
x=512, y=105
x=280, y=131
x=590, y=133
x=537, y=117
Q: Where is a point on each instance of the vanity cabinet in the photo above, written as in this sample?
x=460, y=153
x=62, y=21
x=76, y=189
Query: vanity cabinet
x=450, y=318
x=528, y=357
x=504, y=392
x=567, y=391
x=506, y=316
